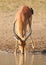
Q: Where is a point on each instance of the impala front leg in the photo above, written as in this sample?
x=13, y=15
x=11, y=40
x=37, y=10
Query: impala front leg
x=21, y=49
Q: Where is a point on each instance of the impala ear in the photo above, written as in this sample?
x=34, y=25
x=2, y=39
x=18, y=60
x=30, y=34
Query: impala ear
x=32, y=11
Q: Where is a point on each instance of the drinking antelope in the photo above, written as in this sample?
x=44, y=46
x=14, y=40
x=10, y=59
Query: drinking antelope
x=22, y=18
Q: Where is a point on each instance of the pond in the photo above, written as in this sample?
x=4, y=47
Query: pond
x=20, y=59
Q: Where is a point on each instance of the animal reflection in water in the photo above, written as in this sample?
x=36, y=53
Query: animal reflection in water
x=22, y=19
x=24, y=59
x=20, y=59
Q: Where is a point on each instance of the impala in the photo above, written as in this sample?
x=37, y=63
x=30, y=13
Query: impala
x=22, y=19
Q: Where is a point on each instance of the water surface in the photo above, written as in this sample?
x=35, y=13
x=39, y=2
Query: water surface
x=20, y=59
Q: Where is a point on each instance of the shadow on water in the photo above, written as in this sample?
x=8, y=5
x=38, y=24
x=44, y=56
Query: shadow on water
x=20, y=59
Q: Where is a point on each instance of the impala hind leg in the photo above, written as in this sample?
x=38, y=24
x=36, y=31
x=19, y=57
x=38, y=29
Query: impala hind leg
x=32, y=44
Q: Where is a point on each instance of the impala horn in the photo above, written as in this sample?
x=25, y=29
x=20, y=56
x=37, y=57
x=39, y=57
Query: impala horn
x=18, y=36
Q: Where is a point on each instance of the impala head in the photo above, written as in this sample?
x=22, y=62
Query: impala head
x=23, y=42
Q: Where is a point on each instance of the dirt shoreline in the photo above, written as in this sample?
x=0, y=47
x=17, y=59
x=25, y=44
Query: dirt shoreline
x=7, y=18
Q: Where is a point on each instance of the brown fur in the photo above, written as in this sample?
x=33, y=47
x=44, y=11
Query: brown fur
x=22, y=18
